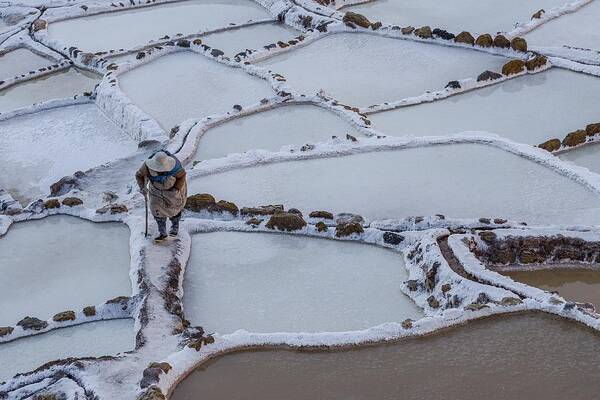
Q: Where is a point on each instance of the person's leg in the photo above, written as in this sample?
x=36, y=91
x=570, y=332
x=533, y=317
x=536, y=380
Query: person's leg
x=162, y=228
x=175, y=225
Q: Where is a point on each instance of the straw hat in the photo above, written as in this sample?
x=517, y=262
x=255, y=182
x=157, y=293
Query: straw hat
x=161, y=162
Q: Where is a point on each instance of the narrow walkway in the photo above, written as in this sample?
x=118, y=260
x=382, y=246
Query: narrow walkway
x=457, y=267
x=452, y=260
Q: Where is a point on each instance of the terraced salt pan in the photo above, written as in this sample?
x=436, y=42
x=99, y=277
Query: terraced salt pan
x=48, y=145
x=94, y=339
x=270, y=130
x=494, y=359
x=586, y=156
x=253, y=37
x=233, y=41
x=463, y=180
x=128, y=58
x=523, y=109
x=282, y=283
x=61, y=263
x=571, y=282
x=362, y=69
x=579, y=29
x=108, y=31
x=455, y=16
x=58, y=85
x=20, y=61
x=194, y=85
x=3, y=24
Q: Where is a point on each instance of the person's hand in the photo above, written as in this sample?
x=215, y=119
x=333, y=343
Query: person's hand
x=144, y=191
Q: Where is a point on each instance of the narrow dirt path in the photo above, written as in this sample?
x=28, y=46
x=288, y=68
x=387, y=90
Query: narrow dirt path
x=457, y=267
x=452, y=260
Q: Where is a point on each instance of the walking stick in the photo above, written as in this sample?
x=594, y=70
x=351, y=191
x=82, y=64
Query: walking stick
x=146, y=204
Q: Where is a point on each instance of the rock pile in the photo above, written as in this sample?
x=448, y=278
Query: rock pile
x=536, y=250
x=206, y=202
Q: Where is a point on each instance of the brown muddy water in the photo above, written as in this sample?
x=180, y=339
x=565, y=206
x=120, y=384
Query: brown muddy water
x=527, y=356
x=576, y=284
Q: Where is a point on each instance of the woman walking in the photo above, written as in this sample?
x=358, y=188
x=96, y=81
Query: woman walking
x=163, y=179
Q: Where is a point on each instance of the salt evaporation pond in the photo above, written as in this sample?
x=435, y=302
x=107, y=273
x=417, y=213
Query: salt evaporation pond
x=61, y=263
x=579, y=29
x=284, y=283
x=108, y=31
x=20, y=61
x=270, y=130
x=389, y=69
x=232, y=41
x=48, y=145
x=3, y=25
x=465, y=15
x=571, y=282
x=94, y=339
x=585, y=156
x=523, y=109
x=253, y=37
x=195, y=86
x=126, y=58
x=493, y=359
x=58, y=85
x=462, y=180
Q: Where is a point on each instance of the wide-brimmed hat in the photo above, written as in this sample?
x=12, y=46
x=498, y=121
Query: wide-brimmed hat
x=161, y=162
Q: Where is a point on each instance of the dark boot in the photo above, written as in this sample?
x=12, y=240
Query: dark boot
x=162, y=229
x=175, y=225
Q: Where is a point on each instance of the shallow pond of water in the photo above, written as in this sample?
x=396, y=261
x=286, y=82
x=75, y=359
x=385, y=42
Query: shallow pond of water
x=573, y=283
x=493, y=359
x=195, y=86
x=253, y=37
x=272, y=129
x=522, y=109
x=48, y=145
x=108, y=31
x=586, y=156
x=21, y=61
x=58, y=85
x=456, y=16
x=579, y=29
x=283, y=283
x=463, y=180
x=362, y=69
x=61, y=263
x=94, y=339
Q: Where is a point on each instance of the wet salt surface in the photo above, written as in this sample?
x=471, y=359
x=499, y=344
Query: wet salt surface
x=586, y=156
x=61, y=263
x=94, y=339
x=194, y=85
x=523, y=109
x=253, y=37
x=579, y=29
x=21, y=61
x=48, y=145
x=108, y=31
x=128, y=58
x=471, y=15
x=572, y=283
x=3, y=25
x=281, y=283
x=272, y=129
x=362, y=69
x=495, y=359
x=462, y=180
x=58, y=85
